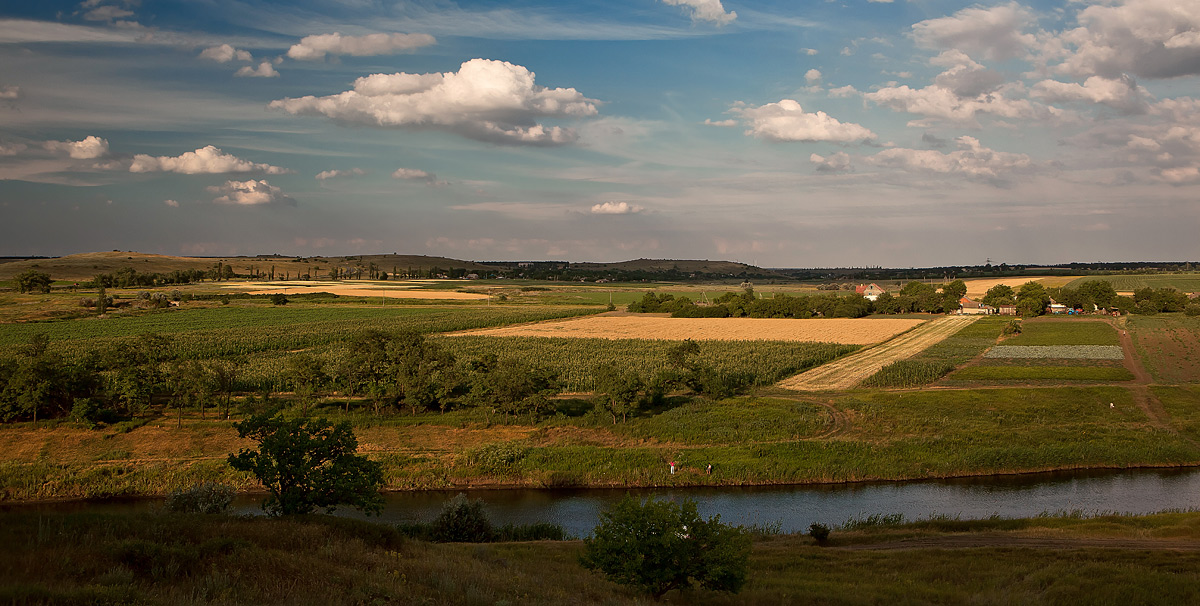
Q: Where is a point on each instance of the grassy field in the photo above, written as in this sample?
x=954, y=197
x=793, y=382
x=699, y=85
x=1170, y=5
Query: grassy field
x=1186, y=282
x=860, y=436
x=171, y=559
x=997, y=373
x=1071, y=331
x=940, y=359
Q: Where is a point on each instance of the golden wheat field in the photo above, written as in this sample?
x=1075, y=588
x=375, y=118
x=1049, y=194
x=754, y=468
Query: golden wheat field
x=828, y=330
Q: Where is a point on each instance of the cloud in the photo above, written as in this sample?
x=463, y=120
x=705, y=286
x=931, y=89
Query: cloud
x=965, y=78
x=251, y=193
x=314, y=48
x=812, y=76
x=11, y=149
x=729, y=122
x=1146, y=38
x=993, y=33
x=207, y=160
x=414, y=174
x=971, y=159
x=224, y=54
x=171, y=203
x=1122, y=94
x=264, y=70
x=87, y=149
x=10, y=93
x=942, y=103
x=706, y=10
x=336, y=173
x=485, y=100
x=107, y=13
x=838, y=162
x=787, y=121
x=616, y=208
x=810, y=51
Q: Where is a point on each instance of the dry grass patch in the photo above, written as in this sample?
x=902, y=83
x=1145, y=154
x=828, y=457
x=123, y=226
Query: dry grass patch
x=827, y=330
x=980, y=286
x=394, y=290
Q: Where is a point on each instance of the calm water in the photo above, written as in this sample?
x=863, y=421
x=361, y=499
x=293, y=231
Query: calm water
x=795, y=507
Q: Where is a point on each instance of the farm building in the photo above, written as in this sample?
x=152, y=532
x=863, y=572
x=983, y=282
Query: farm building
x=1056, y=308
x=870, y=291
x=1007, y=310
x=968, y=306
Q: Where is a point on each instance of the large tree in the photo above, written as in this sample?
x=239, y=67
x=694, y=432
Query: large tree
x=308, y=464
x=1032, y=299
x=1000, y=294
x=658, y=546
x=32, y=280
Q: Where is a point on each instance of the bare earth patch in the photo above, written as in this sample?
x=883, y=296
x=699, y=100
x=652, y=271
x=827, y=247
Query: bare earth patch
x=851, y=370
x=827, y=330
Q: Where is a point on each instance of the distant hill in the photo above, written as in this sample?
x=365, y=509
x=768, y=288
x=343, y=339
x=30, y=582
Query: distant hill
x=86, y=265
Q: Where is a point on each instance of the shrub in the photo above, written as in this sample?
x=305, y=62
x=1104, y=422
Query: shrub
x=658, y=546
x=819, y=533
x=1012, y=328
x=498, y=457
x=279, y=299
x=209, y=497
x=1193, y=309
x=462, y=521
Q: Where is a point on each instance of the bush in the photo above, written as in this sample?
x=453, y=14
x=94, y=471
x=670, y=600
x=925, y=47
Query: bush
x=819, y=532
x=1012, y=328
x=279, y=299
x=209, y=497
x=462, y=521
x=658, y=546
x=1193, y=309
x=498, y=457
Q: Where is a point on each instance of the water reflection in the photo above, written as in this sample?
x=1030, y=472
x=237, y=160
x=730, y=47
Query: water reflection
x=795, y=507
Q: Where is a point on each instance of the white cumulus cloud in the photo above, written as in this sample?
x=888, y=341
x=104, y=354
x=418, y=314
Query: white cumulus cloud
x=207, y=160
x=972, y=159
x=838, y=162
x=264, y=70
x=87, y=149
x=1146, y=38
x=224, y=53
x=485, y=100
x=10, y=93
x=416, y=174
x=11, y=149
x=616, y=208
x=171, y=203
x=706, y=10
x=314, y=48
x=993, y=33
x=787, y=121
x=251, y=193
x=1122, y=94
x=333, y=174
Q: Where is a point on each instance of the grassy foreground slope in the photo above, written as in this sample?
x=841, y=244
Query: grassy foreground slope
x=840, y=438
x=164, y=559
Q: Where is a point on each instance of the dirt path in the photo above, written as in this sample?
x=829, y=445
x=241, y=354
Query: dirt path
x=1140, y=387
x=853, y=369
x=994, y=540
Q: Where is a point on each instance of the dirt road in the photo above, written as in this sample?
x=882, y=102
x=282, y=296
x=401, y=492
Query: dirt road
x=853, y=369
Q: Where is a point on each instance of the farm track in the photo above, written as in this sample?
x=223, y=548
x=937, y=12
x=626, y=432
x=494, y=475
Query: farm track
x=855, y=368
x=1140, y=389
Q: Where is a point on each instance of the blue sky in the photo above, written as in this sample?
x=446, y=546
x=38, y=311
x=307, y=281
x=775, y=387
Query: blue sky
x=784, y=134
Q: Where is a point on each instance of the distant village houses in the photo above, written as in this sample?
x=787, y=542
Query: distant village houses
x=870, y=291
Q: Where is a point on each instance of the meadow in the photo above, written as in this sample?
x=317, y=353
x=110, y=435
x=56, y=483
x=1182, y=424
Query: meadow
x=1184, y=282
x=1168, y=346
x=171, y=559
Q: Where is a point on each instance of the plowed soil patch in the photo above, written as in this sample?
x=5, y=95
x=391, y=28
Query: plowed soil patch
x=827, y=330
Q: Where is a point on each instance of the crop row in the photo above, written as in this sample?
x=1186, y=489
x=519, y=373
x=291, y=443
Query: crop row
x=1043, y=373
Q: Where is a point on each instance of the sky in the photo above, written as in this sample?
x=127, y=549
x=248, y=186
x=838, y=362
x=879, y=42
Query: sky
x=789, y=133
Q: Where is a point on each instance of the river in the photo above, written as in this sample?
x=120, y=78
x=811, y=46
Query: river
x=793, y=508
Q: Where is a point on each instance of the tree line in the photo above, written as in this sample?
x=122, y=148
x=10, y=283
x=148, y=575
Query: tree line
x=386, y=372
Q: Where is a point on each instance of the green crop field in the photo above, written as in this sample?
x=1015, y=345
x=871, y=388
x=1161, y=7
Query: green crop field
x=576, y=359
x=230, y=331
x=1189, y=282
x=941, y=358
x=1069, y=331
x=1042, y=373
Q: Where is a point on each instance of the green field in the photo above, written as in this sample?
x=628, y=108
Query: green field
x=942, y=358
x=1187, y=282
x=1054, y=331
x=1042, y=373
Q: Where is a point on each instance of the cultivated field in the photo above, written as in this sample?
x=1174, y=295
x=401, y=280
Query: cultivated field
x=1189, y=282
x=604, y=326
x=852, y=370
x=979, y=287
x=391, y=290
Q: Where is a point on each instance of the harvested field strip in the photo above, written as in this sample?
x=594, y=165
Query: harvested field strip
x=1064, y=352
x=831, y=330
x=852, y=370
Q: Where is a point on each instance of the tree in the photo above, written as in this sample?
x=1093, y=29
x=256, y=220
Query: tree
x=1032, y=299
x=32, y=280
x=306, y=374
x=617, y=393
x=1000, y=294
x=308, y=464
x=658, y=546
x=512, y=387
x=951, y=293
x=423, y=373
